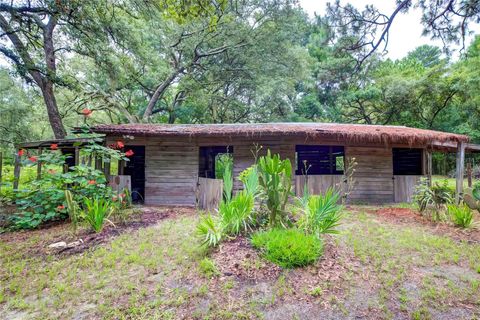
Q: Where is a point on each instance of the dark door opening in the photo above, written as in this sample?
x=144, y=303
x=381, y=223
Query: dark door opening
x=135, y=168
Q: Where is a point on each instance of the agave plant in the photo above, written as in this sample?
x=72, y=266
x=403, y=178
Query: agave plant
x=321, y=213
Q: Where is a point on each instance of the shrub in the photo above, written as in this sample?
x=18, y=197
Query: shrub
x=434, y=197
x=210, y=231
x=237, y=215
x=97, y=211
x=321, y=213
x=275, y=180
x=289, y=248
x=462, y=216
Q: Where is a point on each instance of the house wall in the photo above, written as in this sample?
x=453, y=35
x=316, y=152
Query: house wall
x=172, y=166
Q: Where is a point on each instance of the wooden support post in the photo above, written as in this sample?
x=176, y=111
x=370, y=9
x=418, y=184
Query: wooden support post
x=121, y=165
x=106, y=168
x=469, y=174
x=77, y=156
x=429, y=167
x=16, y=172
x=98, y=163
x=39, y=165
x=1, y=169
x=459, y=172
x=65, y=168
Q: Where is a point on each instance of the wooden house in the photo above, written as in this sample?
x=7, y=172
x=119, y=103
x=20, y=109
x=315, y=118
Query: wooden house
x=175, y=164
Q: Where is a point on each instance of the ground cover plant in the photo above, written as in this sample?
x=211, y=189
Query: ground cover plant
x=288, y=248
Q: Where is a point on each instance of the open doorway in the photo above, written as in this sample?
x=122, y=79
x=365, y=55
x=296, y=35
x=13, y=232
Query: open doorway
x=135, y=168
x=214, y=167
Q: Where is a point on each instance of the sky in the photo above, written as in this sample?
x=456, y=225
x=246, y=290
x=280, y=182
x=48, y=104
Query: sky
x=405, y=33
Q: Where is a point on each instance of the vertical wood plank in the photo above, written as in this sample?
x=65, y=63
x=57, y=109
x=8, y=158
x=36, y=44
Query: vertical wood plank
x=469, y=174
x=1, y=169
x=121, y=165
x=106, y=169
x=459, y=171
x=98, y=163
x=77, y=156
x=429, y=167
x=16, y=171
x=39, y=165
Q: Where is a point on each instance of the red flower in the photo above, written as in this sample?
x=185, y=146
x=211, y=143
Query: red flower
x=21, y=152
x=114, y=198
x=120, y=144
x=60, y=207
x=51, y=171
x=122, y=195
x=33, y=159
x=129, y=153
x=92, y=182
x=87, y=112
x=54, y=146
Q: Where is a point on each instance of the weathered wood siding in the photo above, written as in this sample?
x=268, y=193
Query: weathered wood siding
x=171, y=171
x=318, y=184
x=404, y=187
x=210, y=193
x=172, y=166
x=373, y=175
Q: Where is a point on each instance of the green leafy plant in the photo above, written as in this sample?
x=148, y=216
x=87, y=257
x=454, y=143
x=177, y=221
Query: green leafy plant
x=97, y=212
x=288, y=248
x=275, y=180
x=432, y=198
x=462, y=215
x=210, y=231
x=249, y=178
x=321, y=213
x=73, y=209
x=224, y=168
x=236, y=215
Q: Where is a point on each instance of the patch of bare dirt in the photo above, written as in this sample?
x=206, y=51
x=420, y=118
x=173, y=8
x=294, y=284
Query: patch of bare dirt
x=238, y=258
x=414, y=218
x=61, y=231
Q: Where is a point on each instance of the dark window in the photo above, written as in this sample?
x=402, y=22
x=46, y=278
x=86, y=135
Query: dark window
x=319, y=159
x=207, y=157
x=407, y=161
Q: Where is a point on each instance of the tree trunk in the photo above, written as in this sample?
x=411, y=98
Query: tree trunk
x=52, y=110
x=159, y=93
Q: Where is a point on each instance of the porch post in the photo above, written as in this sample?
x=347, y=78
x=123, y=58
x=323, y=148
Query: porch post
x=459, y=171
x=39, y=165
x=106, y=168
x=1, y=169
x=429, y=167
x=77, y=156
x=16, y=171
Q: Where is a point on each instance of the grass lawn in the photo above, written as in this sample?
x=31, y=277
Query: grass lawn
x=385, y=263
